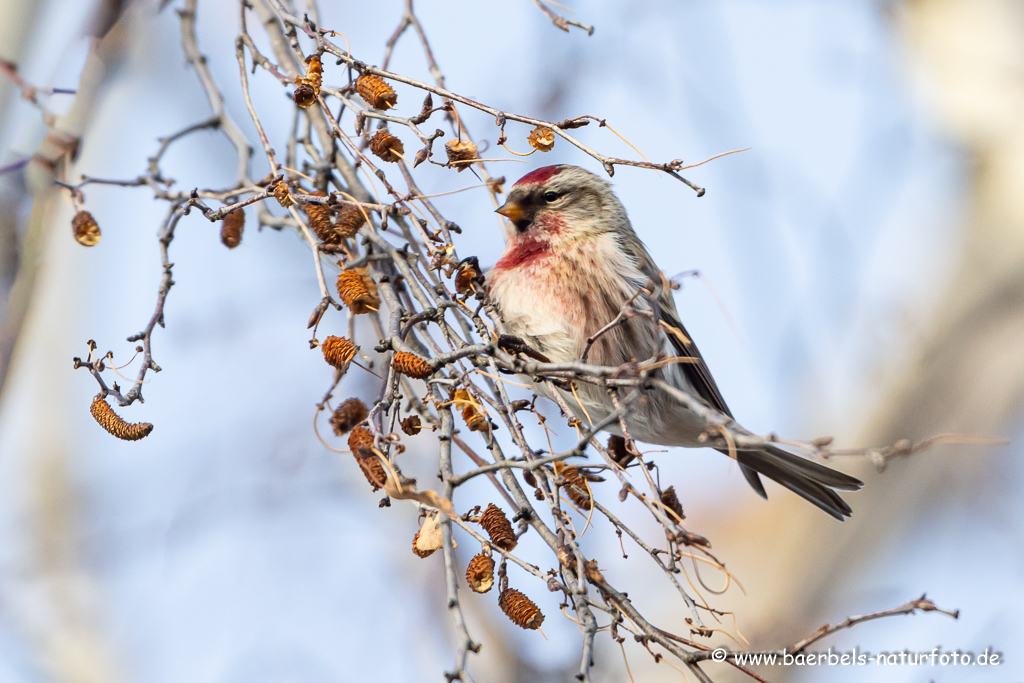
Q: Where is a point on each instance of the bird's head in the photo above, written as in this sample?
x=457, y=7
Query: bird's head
x=561, y=204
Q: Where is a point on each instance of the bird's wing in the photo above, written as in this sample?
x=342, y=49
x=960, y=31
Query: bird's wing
x=696, y=372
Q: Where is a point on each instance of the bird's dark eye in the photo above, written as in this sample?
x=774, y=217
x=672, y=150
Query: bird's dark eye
x=550, y=197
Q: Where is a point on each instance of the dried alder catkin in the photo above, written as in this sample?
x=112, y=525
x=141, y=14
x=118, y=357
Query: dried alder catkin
x=497, y=526
x=115, y=424
x=231, y=229
x=346, y=416
x=468, y=276
x=480, y=573
x=411, y=365
x=360, y=442
x=309, y=85
x=85, y=229
x=520, y=609
x=386, y=146
x=542, y=139
x=338, y=351
x=358, y=292
x=376, y=92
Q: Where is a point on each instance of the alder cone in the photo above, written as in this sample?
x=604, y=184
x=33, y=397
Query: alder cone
x=411, y=425
x=360, y=442
x=231, y=229
x=480, y=573
x=85, y=229
x=670, y=500
x=115, y=424
x=309, y=85
x=576, y=486
x=377, y=93
x=338, y=351
x=348, y=221
x=411, y=365
x=497, y=526
x=542, y=139
x=460, y=152
x=283, y=196
x=520, y=609
x=320, y=220
x=358, y=292
x=386, y=146
x=346, y=416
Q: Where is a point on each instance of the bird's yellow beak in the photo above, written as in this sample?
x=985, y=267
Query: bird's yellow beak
x=512, y=211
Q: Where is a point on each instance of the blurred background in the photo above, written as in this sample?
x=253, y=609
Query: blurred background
x=862, y=276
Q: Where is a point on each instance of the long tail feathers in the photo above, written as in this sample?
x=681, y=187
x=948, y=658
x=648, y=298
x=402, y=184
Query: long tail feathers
x=810, y=480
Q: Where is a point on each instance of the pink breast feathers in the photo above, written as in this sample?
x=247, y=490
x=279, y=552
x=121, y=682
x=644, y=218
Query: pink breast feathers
x=522, y=252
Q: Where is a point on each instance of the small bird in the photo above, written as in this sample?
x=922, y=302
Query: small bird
x=571, y=262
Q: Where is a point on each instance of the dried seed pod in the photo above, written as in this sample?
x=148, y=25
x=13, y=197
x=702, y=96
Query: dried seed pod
x=231, y=229
x=85, y=229
x=360, y=442
x=309, y=85
x=348, y=221
x=283, y=196
x=115, y=424
x=617, y=449
x=346, y=416
x=320, y=220
x=338, y=351
x=386, y=146
x=542, y=139
x=357, y=291
x=411, y=425
x=411, y=365
x=428, y=538
x=671, y=501
x=376, y=92
x=474, y=418
x=520, y=609
x=480, y=573
x=575, y=484
x=460, y=152
x=468, y=277
x=497, y=526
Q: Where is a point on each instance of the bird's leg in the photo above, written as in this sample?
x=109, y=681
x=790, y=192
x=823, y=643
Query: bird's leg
x=513, y=344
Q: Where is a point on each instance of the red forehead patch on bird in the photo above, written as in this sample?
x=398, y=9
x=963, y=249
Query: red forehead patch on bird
x=541, y=175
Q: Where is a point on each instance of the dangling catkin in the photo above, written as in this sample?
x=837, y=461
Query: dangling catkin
x=115, y=424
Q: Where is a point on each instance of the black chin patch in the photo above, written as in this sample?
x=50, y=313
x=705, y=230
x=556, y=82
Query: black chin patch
x=523, y=224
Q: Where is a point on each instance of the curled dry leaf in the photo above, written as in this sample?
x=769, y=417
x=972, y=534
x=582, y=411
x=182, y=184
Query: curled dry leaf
x=429, y=537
